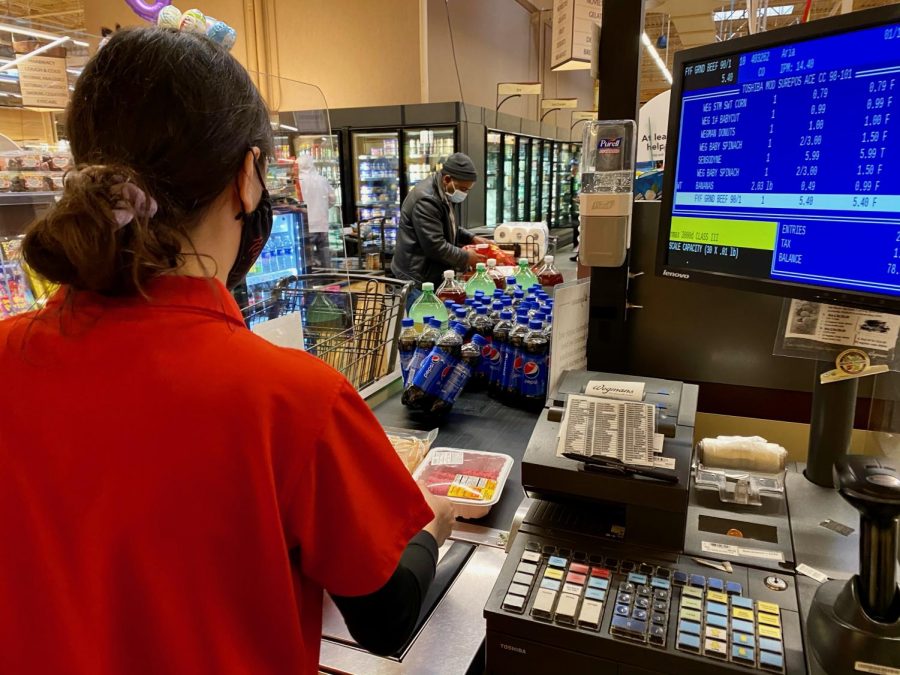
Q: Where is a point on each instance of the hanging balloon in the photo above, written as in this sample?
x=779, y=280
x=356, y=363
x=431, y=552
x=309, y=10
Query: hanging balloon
x=230, y=38
x=169, y=17
x=219, y=31
x=193, y=21
x=148, y=12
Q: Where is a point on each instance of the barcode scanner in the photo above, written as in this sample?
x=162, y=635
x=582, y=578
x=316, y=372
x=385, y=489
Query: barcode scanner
x=859, y=619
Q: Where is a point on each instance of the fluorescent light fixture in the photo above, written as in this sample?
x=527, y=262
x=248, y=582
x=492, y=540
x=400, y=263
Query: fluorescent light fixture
x=40, y=50
x=741, y=14
x=656, y=58
x=289, y=128
x=37, y=33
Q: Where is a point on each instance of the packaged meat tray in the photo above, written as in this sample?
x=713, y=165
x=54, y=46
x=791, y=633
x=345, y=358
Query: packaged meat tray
x=473, y=480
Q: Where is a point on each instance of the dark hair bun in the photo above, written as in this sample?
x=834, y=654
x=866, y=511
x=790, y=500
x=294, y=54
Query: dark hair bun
x=170, y=113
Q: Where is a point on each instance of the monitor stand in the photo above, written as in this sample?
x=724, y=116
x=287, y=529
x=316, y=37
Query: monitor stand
x=830, y=426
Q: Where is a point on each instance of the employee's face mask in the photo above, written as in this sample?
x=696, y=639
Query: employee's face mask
x=254, y=234
x=457, y=196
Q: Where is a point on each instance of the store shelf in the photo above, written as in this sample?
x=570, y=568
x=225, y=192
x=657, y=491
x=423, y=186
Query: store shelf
x=373, y=180
x=373, y=157
x=374, y=205
x=253, y=279
x=20, y=198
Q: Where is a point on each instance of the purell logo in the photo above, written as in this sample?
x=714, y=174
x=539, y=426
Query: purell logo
x=609, y=146
x=675, y=275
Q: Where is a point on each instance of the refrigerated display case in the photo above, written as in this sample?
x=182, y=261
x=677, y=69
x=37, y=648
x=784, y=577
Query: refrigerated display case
x=425, y=151
x=510, y=183
x=523, y=186
x=534, y=180
x=555, y=182
x=376, y=163
x=285, y=254
x=546, y=181
x=493, y=178
x=325, y=153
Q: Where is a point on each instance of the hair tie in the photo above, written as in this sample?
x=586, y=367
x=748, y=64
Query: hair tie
x=131, y=201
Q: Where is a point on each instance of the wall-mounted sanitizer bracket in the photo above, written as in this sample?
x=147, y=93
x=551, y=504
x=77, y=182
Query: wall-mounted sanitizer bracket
x=607, y=197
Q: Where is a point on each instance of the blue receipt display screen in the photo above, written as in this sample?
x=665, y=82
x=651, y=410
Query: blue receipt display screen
x=788, y=164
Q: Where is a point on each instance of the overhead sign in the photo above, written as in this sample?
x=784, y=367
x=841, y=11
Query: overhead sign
x=583, y=115
x=557, y=103
x=518, y=88
x=43, y=81
x=572, y=33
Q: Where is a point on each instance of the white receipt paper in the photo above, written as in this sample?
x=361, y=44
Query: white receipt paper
x=619, y=430
x=621, y=391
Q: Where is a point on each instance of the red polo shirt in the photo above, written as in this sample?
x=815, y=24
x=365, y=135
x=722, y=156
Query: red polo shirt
x=175, y=492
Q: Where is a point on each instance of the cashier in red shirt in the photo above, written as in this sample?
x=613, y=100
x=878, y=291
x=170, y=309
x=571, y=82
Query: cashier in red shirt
x=176, y=493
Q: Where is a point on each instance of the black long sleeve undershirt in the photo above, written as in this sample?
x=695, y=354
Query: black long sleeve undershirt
x=383, y=621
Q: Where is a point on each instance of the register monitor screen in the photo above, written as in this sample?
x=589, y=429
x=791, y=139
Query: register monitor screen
x=783, y=162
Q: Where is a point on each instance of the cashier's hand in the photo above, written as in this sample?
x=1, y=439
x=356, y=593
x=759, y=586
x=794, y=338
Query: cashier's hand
x=475, y=258
x=444, y=516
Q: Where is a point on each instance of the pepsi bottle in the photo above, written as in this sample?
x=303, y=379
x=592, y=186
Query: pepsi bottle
x=496, y=380
x=465, y=367
x=426, y=383
x=535, y=362
x=511, y=287
x=483, y=326
x=462, y=317
x=424, y=345
x=514, y=359
x=496, y=308
x=406, y=346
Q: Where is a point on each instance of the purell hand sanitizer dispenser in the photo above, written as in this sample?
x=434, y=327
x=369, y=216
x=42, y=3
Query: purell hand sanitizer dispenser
x=606, y=200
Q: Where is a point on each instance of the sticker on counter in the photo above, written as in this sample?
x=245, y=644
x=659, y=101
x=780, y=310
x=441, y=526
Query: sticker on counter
x=835, y=526
x=447, y=458
x=472, y=487
x=658, y=440
x=863, y=667
x=740, y=551
x=664, y=463
x=812, y=573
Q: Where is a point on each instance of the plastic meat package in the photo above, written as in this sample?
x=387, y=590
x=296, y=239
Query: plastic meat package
x=471, y=479
x=411, y=445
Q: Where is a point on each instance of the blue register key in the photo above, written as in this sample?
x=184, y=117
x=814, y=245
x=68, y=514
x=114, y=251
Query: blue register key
x=742, y=602
x=743, y=655
x=632, y=628
x=689, y=627
x=687, y=641
x=680, y=578
x=637, y=579
x=716, y=620
x=595, y=594
x=715, y=584
x=769, y=660
x=556, y=561
x=602, y=584
x=716, y=608
x=742, y=626
x=550, y=584
x=664, y=584
x=743, y=639
x=698, y=580
x=733, y=588
x=770, y=645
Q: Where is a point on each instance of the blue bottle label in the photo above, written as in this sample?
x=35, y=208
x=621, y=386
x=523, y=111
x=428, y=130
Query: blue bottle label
x=514, y=361
x=417, y=358
x=491, y=361
x=405, y=359
x=435, y=368
x=534, y=375
x=454, y=384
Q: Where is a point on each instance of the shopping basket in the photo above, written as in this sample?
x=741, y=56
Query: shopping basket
x=350, y=321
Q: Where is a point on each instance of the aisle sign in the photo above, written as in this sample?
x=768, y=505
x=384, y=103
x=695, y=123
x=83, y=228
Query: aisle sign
x=518, y=88
x=572, y=35
x=559, y=103
x=43, y=81
x=583, y=116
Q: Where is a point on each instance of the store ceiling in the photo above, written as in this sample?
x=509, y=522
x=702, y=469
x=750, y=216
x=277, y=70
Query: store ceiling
x=49, y=15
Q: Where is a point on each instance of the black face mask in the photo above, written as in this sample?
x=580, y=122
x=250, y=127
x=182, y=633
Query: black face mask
x=254, y=235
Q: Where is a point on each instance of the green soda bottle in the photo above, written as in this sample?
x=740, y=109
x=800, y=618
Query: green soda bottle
x=480, y=281
x=427, y=305
x=525, y=278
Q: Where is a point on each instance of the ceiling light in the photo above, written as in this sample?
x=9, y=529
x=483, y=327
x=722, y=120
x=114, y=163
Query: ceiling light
x=656, y=58
x=741, y=14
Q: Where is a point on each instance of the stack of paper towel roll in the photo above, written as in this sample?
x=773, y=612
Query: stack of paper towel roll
x=743, y=453
x=533, y=236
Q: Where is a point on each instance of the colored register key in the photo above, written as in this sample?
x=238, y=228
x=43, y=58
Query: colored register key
x=600, y=572
x=574, y=578
x=578, y=568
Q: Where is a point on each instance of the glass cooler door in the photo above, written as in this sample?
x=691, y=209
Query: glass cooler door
x=553, y=202
x=546, y=181
x=534, y=185
x=492, y=179
x=425, y=151
x=523, y=178
x=510, y=189
x=376, y=163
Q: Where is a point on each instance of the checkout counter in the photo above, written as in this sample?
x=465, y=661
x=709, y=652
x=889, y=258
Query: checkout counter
x=628, y=575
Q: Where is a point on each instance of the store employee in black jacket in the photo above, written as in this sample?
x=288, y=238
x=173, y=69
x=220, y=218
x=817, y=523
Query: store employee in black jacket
x=429, y=241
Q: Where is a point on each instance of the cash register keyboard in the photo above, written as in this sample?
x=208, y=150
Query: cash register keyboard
x=714, y=619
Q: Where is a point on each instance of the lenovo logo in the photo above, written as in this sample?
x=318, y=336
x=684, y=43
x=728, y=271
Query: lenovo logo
x=675, y=275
